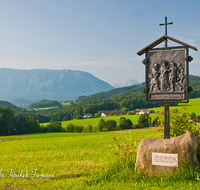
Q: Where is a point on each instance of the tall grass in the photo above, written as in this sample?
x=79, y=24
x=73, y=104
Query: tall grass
x=122, y=171
x=84, y=161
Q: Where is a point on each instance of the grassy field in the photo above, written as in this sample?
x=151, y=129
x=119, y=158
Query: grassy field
x=66, y=103
x=95, y=121
x=192, y=106
x=45, y=108
x=77, y=161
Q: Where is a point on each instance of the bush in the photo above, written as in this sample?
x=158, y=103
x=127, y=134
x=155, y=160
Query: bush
x=102, y=124
x=118, y=128
x=54, y=126
x=125, y=123
x=76, y=128
x=70, y=127
x=111, y=125
x=28, y=125
x=90, y=128
x=180, y=123
x=44, y=129
x=143, y=120
x=135, y=126
x=155, y=121
x=198, y=118
x=193, y=116
x=104, y=129
x=95, y=129
x=80, y=128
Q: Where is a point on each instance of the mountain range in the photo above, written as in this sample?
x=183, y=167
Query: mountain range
x=36, y=84
x=23, y=87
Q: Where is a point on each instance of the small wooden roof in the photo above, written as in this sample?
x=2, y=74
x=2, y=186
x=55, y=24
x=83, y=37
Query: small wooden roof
x=160, y=40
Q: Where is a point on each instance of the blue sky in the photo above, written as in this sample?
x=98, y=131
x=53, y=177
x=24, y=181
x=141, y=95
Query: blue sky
x=101, y=37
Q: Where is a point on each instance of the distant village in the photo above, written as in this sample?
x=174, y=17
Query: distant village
x=119, y=112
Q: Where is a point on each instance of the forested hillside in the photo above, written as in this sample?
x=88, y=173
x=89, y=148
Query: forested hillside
x=76, y=111
x=127, y=98
x=194, y=82
x=13, y=107
x=115, y=93
x=44, y=103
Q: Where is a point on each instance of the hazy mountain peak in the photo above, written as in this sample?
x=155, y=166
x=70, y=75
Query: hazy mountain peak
x=127, y=83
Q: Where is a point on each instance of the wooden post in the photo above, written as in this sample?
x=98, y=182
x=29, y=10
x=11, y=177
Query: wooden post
x=166, y=126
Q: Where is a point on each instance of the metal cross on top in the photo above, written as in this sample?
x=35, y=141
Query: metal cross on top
x=166, y=28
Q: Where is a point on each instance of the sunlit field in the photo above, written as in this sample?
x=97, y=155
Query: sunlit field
x=76, y=161
x=95, y=121
x=192, y=106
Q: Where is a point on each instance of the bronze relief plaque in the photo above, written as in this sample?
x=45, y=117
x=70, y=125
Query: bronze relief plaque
x=166, y=75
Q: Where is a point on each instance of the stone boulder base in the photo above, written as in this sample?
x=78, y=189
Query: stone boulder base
x=184, y=147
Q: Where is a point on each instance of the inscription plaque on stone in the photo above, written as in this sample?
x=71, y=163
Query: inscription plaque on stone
x=164, y=159
x=166, y=75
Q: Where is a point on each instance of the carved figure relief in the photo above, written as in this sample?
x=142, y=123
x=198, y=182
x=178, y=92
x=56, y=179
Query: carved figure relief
x=154, y=84
x=164, y=86
x=181, y=75
x=167, y=72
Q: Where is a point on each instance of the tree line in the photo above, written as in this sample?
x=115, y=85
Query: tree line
x=144, y=120
x=77, y=111
x=126, y=98
x=44, y=103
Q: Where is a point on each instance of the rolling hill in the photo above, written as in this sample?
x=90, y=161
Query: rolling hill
x=13, y=107
x=194, y=82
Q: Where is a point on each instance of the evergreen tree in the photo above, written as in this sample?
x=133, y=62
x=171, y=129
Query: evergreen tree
x=7, y=121
x=143, y=120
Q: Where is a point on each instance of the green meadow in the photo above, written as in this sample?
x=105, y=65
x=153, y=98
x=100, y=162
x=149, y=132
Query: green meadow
x=66, y=103
x=95, y=121
x=192, y=106
x=79, y=161
x=87, y=160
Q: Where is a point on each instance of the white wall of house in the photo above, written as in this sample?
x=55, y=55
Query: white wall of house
x=103, y=115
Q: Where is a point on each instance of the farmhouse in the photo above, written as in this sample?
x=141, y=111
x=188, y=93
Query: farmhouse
x=105, y=113
x=87, y=115
x=130, y=112
x=143, y=111
x=137, y=110
x=117, y=112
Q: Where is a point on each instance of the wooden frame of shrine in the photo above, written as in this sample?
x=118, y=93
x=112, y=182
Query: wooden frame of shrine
x=167, y=73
